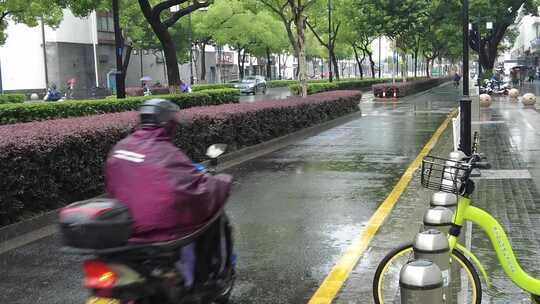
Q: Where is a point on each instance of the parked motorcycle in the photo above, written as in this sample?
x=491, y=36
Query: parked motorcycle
x=119, y=272
x=53, y=95
x=493, y=87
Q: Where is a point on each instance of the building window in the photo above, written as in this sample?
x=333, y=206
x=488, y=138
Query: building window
x=105, y=23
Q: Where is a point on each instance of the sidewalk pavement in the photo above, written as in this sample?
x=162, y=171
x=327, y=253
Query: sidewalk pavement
x=510, y=138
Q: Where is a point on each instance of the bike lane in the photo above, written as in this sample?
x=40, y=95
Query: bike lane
x=295, y=211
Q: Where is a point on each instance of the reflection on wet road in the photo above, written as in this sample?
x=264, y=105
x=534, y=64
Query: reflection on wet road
x=295, y=210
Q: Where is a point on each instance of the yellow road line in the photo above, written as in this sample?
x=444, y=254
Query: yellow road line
x=341, y=271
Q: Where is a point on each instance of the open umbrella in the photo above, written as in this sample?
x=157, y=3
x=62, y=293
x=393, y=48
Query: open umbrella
x=146, y=78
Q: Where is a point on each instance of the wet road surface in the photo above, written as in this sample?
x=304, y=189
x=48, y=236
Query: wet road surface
x=271, y=93
x=295, y=210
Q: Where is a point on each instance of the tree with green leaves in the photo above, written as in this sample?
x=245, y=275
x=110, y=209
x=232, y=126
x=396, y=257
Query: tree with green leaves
x=325, y=26
x=162, y=16
x=207, y=24
x=257, y=34
x=240, y=31
x=503, y=13
x=270, y=39
x=293, y=15
x=364, y=22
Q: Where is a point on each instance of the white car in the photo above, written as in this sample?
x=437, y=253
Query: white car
x=252, y=85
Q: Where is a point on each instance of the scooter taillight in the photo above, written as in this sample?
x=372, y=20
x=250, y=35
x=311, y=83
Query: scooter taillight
x=97, y=275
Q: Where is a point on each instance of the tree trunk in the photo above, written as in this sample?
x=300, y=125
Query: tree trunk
x=127, y=59
x=427, y=68
x=203, y=61
x=336, y=66
x=489, y=46
x=279, y=67
x=330, y=67
x=268, y=65
x=397, y=65
x=405, y=68
x=297, y=72
x=239, y=64
x=167, y=43
x=371, y=63
x=359, y=62
x=173, y=72
x=240, y=67
x=244, y=64
x=416, y=63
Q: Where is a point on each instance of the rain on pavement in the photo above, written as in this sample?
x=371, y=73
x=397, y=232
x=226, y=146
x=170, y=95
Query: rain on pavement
x=294, y=210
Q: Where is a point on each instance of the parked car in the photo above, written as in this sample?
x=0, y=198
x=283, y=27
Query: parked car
x=252, y=85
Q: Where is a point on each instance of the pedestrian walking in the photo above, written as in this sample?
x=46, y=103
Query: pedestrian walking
x=457, y=78
x=514, y=77
x=532, y=73
x=70, y=88
x=522, y=76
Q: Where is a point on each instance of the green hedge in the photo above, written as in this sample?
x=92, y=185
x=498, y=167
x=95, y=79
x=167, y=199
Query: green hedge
x=12, y=98
x=203, y=87
x=45, y=165
x=280, y=83
x=336, y=85
x=286, y=83
x=15, y=113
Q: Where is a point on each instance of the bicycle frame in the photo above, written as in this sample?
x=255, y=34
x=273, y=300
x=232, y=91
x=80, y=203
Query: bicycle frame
x=466, y=212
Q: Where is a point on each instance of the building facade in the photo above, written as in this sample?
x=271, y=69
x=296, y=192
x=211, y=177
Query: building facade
x=526, y=48
x=82, y=49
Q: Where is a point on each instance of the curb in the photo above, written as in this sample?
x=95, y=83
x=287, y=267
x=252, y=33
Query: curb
x=229, y=160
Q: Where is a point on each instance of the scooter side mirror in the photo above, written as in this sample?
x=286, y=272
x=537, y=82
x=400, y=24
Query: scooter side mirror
x=215, y=151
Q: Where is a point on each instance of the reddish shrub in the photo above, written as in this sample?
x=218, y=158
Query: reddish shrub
x=402, y=89
x=47, y=164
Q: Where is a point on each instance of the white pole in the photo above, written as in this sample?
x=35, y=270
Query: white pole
x=93, y=29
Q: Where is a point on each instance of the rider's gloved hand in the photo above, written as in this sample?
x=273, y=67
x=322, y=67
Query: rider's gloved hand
x=200, y=168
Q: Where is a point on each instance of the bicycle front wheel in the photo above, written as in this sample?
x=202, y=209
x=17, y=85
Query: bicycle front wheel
x=464, y=286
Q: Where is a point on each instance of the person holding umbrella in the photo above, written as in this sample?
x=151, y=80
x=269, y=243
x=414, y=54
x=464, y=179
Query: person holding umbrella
x=146, y=89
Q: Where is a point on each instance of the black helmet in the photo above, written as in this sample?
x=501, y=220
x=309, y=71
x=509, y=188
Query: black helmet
x=158, y=112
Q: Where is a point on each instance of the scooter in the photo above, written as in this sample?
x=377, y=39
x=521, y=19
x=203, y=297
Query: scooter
x=117, y=272
x=494, y=88
x=54, y=95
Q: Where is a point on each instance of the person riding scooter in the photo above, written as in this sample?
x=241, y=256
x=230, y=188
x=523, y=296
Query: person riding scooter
x=167, y=195
x=53, y=94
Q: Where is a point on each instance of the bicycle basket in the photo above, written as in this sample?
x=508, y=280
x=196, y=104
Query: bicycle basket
x=444, y=174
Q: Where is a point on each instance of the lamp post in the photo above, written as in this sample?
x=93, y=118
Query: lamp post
x=465, y=102
x=476, y=28
x=489, y=27
x=330, y=75
x=191, y=78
